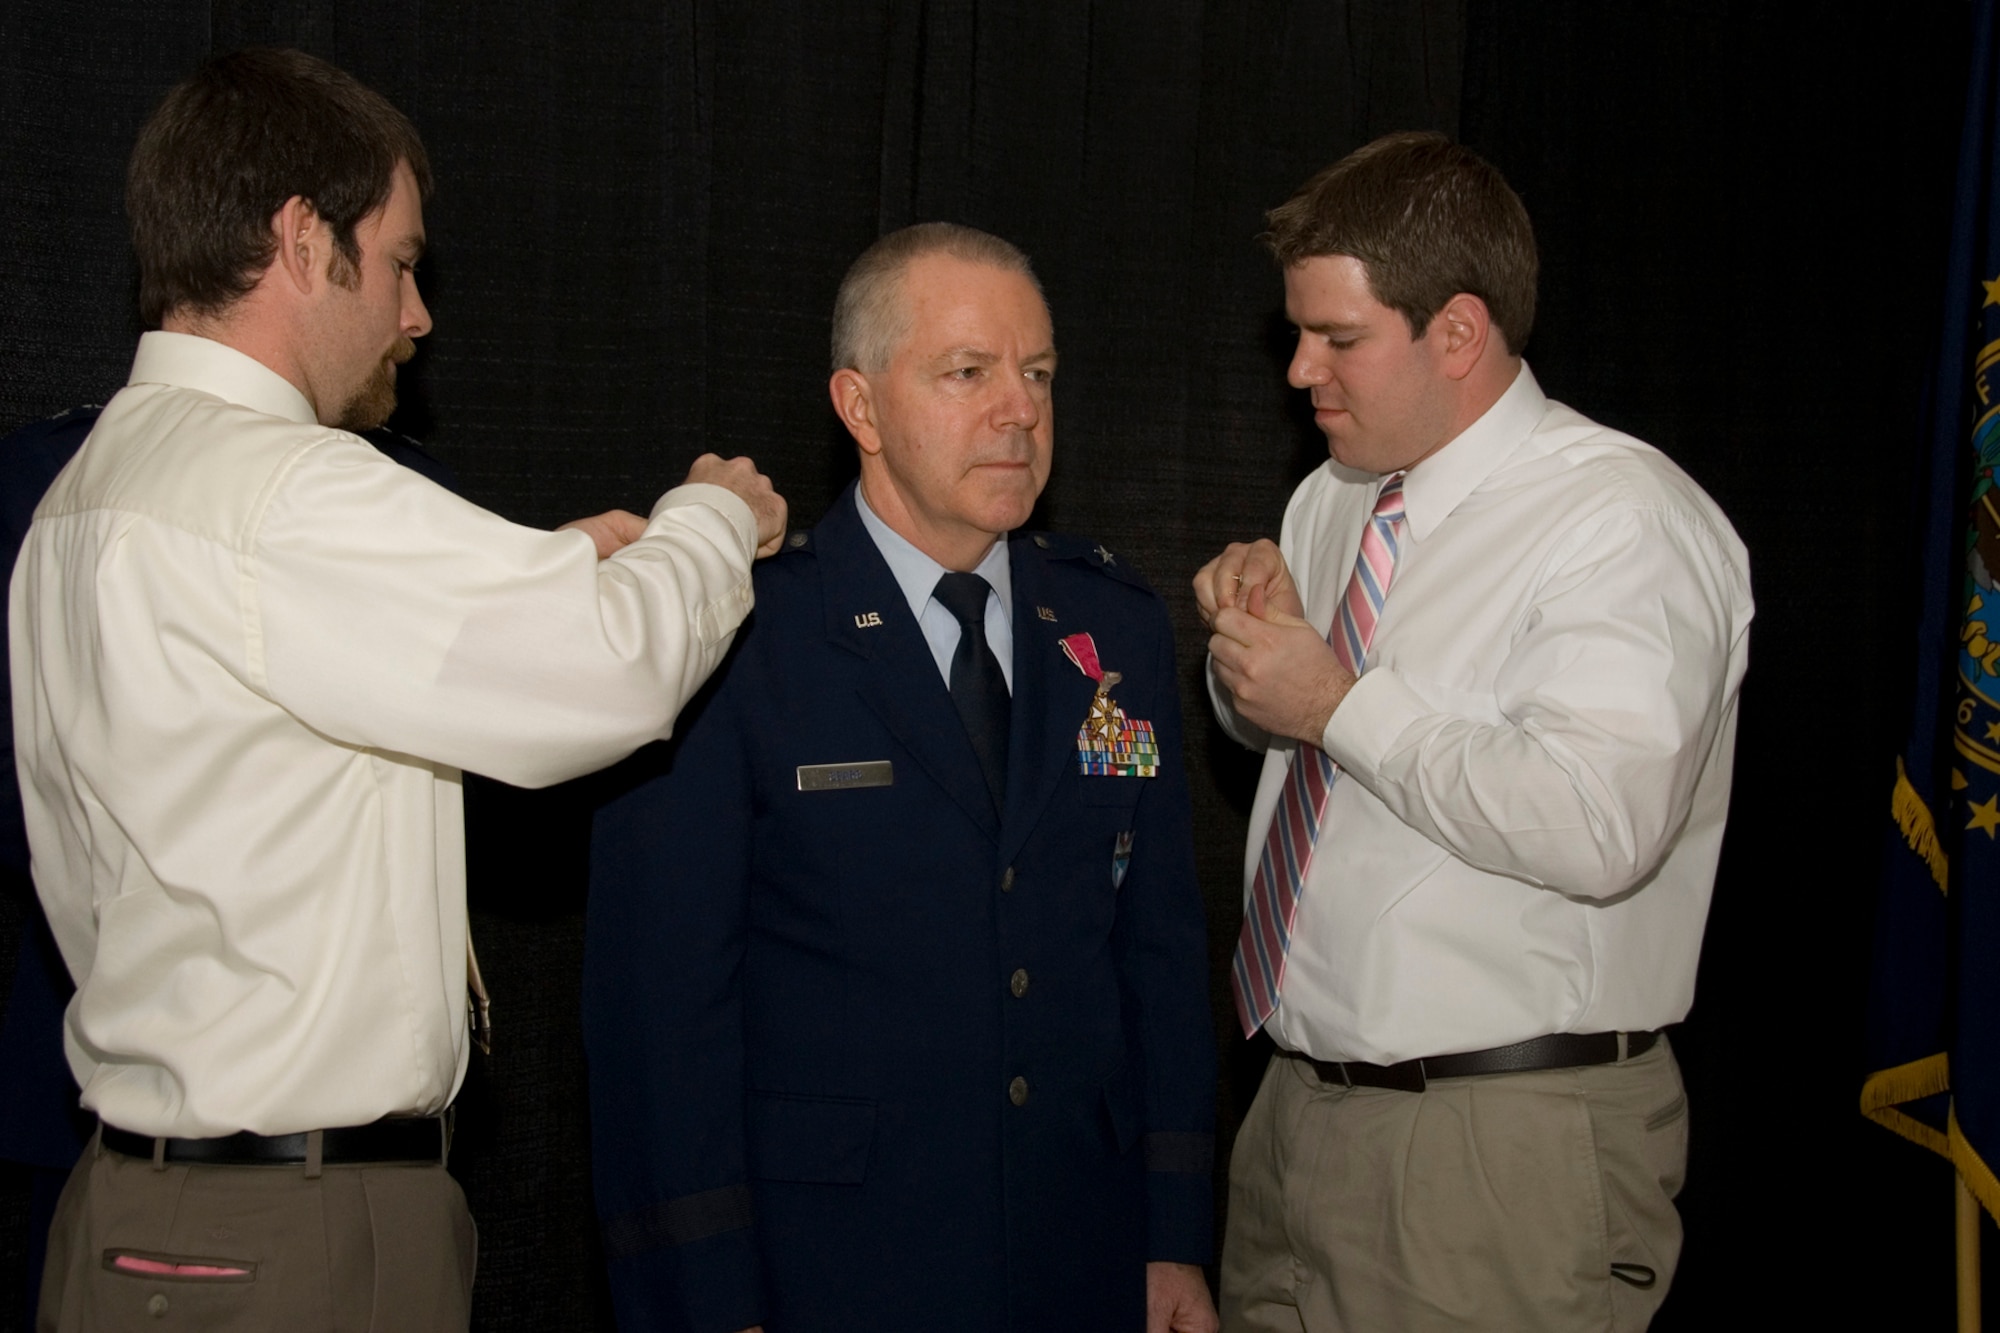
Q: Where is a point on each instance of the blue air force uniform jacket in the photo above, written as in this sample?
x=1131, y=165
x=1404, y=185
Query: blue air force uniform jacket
x=867, y=1053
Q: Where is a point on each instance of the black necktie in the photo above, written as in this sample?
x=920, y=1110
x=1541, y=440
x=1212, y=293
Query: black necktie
x=977, y=686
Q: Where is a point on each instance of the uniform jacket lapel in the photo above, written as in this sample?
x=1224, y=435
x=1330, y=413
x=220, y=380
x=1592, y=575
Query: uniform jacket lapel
x=1051, y=699
x=900, y=682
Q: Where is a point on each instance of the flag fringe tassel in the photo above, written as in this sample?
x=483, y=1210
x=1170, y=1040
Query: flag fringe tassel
x=1972, y=1169
x=1913, y=817
x=1885, y=1091
x=1881, y=1099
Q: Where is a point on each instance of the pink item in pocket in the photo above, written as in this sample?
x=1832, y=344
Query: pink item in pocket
x=157, y=1268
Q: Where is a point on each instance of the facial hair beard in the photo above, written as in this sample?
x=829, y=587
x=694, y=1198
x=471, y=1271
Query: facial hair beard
x=376, y=399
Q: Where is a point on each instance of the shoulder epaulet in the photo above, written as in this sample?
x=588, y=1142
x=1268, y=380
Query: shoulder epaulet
x=77, y=420
x=400, y=448
x=1070, y=549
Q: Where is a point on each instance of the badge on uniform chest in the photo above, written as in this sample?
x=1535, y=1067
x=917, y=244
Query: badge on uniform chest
x=1109, y=744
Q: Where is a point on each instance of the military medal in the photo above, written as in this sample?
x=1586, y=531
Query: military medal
x=1109, y=744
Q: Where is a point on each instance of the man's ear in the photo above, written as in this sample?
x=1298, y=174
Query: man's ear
x=854, y=403
x=1463, y=328
x=304, y=245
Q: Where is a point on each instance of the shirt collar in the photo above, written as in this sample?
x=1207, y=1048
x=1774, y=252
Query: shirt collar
x=917, y=574
x=185, y=361
x=1433, y=488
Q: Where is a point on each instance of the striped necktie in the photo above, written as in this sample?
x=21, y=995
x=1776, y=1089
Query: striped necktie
x=1288, y=846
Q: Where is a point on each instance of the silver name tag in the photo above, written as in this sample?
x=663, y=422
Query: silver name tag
x=841, y=777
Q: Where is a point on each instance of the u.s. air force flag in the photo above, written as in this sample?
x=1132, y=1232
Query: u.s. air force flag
x=1934, y=1024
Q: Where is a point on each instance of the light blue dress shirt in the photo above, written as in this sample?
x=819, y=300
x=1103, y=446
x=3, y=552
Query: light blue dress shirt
x=917, y=575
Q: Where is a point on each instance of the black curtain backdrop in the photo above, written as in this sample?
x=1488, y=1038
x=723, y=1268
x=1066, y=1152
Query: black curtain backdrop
x=645, y=207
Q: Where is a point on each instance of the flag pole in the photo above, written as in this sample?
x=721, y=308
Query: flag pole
x=1968, y=1257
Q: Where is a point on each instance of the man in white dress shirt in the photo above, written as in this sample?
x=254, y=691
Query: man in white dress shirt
x=250, y=658
x=1482, y=850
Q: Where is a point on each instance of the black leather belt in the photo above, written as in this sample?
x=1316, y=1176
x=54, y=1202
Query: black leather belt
x=1562, y=1050
x=397, y=1139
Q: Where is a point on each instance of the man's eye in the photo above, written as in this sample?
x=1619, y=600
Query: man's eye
x=965, y=373
x=1040, y=375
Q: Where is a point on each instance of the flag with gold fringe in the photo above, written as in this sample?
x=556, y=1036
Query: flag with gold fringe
x=1934, y=1013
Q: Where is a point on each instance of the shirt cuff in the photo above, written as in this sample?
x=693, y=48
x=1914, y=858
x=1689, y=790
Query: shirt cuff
x=1234, y=725
x=1368, y=722
x=723, y=501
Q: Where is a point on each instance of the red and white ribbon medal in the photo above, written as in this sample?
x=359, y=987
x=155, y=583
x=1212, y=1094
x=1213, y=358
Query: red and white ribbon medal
x=1109, y=744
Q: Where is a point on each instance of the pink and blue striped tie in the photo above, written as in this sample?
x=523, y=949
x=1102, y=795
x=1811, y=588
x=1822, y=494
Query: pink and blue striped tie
x=1288, y=847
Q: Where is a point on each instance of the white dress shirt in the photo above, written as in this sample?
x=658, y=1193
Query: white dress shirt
x=917, y=575
x=250, y=657
x=1535, y=763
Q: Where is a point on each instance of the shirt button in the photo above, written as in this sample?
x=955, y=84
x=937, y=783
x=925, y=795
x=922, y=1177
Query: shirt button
x=1018, y=983
x=157, y=1306
x=1007, y=880
x=1017, y=1091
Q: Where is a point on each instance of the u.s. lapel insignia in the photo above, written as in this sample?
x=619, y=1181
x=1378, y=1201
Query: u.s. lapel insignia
x=1121, y=858
x=1045, y=613
x=1109, y=744
x=868, y=620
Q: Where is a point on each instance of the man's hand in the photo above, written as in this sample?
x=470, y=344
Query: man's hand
x=611, y=530
x=1177, y=1300
x=753, y=488
x=1281, y=673
x=1252, y=578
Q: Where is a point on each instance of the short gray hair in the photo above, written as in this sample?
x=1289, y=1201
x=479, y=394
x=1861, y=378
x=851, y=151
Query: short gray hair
x=869, y=317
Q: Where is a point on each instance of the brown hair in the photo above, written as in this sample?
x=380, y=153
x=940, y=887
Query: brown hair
x=1428, y=219
x=869, y=318
x=243, y=134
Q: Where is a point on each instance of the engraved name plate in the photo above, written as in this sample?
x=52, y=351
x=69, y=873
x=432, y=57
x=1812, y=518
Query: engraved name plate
x=842, y=777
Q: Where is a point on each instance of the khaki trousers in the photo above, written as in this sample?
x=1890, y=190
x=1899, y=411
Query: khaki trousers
x=1534, y=1201
x=355, y=1248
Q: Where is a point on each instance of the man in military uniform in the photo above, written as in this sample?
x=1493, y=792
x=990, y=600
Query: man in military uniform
x=895, y=993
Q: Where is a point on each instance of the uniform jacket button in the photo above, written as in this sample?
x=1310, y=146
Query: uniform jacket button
x=1018, y=983
x=1017, y=1091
